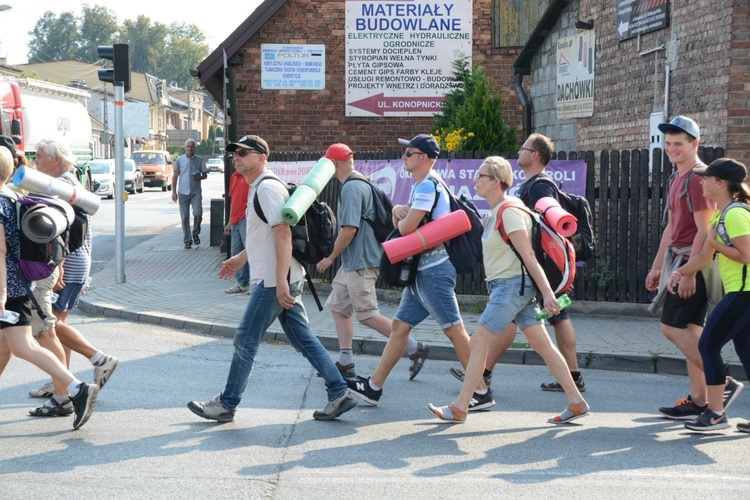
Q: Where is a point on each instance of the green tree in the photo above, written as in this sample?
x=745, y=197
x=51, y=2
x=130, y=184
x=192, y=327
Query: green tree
x=475, y=112
x=53, y=38
x=146, y=42
x=184, y=49
x=98, y=27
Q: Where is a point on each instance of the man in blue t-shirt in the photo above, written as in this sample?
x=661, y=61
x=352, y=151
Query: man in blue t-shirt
x=353, y=288
x=433, y=291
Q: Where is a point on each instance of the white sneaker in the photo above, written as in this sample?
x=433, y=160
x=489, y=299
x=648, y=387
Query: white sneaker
x=45, y=391
x=103, y=372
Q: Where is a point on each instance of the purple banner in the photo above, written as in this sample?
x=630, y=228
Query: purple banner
x=390, y=176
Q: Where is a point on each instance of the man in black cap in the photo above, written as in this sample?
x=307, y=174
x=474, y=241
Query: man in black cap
x=433, y=291
x=684, y=314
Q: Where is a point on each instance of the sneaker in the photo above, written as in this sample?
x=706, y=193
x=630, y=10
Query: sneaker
x=336, y=408
x=52, y=408
x=683, y=409
x=481, y=401
x=731, y=391
x=708, y=421
x=45, y=391
x=572, y=412
x=361, y=387
x=196, y=240
x=105, y=370
x=346, y=371
x=556, y=387
x=459, y=374
x=188, y=246
x=743, y=427
x=237, y=289
x=83, y=404
x=418, y=359
x=449, y=413
x=212, y=410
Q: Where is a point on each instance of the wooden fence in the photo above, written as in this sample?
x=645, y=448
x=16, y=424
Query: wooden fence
x=627, y=200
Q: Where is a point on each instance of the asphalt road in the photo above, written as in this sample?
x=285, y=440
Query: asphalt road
x=143, y=442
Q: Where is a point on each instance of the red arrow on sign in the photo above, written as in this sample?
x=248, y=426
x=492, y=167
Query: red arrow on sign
x=379, y=104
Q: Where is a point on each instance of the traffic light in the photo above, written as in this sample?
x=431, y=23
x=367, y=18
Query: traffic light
x=119, y=54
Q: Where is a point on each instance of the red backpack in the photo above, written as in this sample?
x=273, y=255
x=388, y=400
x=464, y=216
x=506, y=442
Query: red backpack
x=555, y=253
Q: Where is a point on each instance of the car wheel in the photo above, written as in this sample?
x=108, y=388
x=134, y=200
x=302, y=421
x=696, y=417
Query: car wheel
x=110, y=197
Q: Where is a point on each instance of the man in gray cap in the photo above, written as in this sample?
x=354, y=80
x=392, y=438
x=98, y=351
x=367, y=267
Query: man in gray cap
x=683, y=314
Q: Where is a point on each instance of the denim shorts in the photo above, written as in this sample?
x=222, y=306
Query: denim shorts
x=506, y=305
x=68, y=297
x=432, y=294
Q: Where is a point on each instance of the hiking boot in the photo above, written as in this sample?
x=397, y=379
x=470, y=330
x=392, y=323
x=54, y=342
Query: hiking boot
x=708, y=421
x=336, y=408
x=212, y=410
x=683, y=409
x=51, y=408
x=361, y=387
x=105, y=370
x=237, y=289
x=743, y=426
x=449, y=413
x=346, y=371
x=83, y=404
x=45, y=391
x=731, y=391
x=418, y=359
x=481, y=401
x=556, y=387
x=459, y=374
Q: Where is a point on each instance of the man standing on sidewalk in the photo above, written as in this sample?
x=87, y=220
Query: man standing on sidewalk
x=683, y=314
x=276, y=292
x=353, y=288
x=237, y=227
x=433, y=292
x=189, y=171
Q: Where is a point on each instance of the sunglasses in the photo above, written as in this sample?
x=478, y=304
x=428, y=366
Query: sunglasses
x=244, y=152
x=409, y=154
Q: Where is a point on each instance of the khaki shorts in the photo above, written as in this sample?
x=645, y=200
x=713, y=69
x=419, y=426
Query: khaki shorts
x=354, y=292
x=43, y=294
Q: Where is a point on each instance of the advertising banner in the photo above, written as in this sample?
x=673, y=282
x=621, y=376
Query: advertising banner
x=289, y=66
x=575, y=75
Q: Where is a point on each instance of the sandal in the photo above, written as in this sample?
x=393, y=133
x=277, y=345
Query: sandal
x=52, y=408
x=572, y=412
x=448, y=413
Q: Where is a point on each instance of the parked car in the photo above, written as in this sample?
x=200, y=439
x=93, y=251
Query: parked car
x=133, y=177
x=215, y=165
x=156, y=167
x=103, y=177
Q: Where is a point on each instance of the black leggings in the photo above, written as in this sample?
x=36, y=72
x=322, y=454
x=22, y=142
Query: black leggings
x=729, y=321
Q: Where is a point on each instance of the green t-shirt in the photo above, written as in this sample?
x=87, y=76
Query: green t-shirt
x=737, y=223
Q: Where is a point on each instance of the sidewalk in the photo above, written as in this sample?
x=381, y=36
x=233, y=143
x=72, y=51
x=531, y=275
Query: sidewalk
x=171, y=286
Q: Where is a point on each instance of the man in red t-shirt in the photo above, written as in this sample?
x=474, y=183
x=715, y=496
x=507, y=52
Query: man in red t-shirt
x=238, y=189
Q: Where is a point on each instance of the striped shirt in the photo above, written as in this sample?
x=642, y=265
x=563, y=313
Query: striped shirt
x=77, y=265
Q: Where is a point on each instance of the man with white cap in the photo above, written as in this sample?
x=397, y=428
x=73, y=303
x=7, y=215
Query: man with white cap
x=353, y=288
x=683, y=314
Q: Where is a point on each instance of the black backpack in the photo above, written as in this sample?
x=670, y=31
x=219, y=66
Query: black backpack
x=382, y=225
x=465, y=250
x=312, y=237
x=583, y=240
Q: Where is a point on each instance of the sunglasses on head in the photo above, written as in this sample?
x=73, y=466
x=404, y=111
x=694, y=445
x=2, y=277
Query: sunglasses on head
x=409, y=154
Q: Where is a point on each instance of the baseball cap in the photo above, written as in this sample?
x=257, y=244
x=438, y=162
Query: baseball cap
x=682, y=124
x=423, y=142
x=339, y=152
x=250, y=142
x=724, y=168
x=8, y=143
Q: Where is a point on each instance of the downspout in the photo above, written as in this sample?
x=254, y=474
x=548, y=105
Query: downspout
x=526, y=107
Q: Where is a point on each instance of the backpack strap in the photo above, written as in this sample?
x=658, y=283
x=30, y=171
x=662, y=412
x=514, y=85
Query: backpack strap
x=683, y=193
x=722, y=230
x=372, y=193
x=256, y=203
x=506, y=238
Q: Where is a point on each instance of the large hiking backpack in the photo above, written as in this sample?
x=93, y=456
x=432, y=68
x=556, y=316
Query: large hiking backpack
x=555, y=253
x=465, y=250
x=583, y=240
x=312, y=237
x=382, y=224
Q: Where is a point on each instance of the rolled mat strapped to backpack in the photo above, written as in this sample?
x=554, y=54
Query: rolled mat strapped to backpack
x=427, y=236
x=563, y=222
x=308, y=190
x=37, y=182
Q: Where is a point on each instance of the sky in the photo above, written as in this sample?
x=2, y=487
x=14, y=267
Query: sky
x=216, y=20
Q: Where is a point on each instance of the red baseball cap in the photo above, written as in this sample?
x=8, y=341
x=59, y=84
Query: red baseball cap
x=339, y=152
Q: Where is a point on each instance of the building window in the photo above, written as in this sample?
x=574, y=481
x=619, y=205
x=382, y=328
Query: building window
x=513, y=21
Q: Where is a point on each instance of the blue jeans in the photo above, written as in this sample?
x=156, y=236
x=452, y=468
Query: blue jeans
x=238, y=245
x=194, y=200
x=262, y=309
x=432, y=294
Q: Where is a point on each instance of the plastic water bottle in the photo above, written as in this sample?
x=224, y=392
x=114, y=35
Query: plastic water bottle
x=10, y=317
x=564, y=302
x=405, y=269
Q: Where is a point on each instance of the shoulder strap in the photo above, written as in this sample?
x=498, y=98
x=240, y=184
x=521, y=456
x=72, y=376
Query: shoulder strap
x=721, y=228
x=256, y=203
x=506, y=238
x=372, y=193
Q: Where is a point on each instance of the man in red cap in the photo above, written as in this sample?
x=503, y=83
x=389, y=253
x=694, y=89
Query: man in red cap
x=353, y=288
